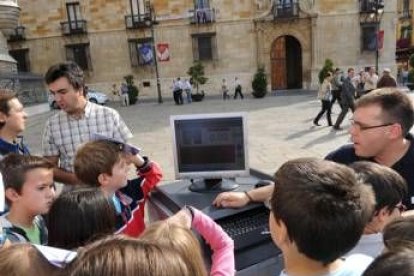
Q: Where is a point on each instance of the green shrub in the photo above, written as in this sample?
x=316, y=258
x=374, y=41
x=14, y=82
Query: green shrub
x=196, y=72
x=327, y=67
x=133, y=91
x=259, y=83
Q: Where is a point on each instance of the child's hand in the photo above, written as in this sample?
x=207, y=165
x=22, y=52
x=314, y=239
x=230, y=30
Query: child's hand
x=182, y=218
x=137, y=160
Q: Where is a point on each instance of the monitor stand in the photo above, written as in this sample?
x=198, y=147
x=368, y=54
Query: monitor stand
x=212, y=185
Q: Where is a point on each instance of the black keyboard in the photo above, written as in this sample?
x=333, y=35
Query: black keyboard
x=247, y=228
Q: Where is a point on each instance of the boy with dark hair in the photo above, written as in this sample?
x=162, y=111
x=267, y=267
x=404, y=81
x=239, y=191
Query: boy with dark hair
x=318, y=212
x=30, y=191
x=105, y=164
x=389, y=189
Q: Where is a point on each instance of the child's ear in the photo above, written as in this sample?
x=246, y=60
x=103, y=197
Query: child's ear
x=103, y=179
x=3, y=117
x=11, y=194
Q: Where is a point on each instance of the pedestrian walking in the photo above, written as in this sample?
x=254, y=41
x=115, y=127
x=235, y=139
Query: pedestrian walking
x=124, y=95
x=324, y=95
x=347, y=98
x=225, y=90
x=188, y=89
x=336, y=87
x=237, y=88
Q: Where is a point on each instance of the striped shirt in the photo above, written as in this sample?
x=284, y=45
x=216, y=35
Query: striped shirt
x=63, y=134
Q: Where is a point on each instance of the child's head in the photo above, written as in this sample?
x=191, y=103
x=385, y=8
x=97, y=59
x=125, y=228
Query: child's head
x=80, y=216
x=393, y=263
x=389, y=189
x=319, y=209
x=101, y=163
x=179, y=238
x=119, y=255
x=12, y=115
x=28, y=182
x=25, y=259
x=399, y=233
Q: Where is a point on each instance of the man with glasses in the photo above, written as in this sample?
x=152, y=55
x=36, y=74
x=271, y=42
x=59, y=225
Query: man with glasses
x=379, y=133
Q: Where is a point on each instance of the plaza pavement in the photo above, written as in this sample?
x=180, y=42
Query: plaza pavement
x=279, y=128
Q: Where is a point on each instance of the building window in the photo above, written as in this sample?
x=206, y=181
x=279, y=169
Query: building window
x=369, y=37
x=141, y=52
x=204, y=46
x=80, y=54
x=22, y=58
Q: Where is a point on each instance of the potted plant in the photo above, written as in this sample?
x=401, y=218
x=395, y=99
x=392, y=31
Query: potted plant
x=196, y=73
x=132, y=89
x=259, y=83
x=410, y=83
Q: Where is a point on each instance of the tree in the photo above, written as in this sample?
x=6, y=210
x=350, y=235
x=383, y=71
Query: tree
x=327, y=67
x=132, y=89
x=259, y=83
x=196, y=72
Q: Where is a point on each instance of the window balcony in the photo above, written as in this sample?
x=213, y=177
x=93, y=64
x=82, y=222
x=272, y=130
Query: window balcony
x=370, y=6
x=286, y=10
x=17, y=35
x=202, y=16
x=73, y=27
x=405, y=14
x=138, y=21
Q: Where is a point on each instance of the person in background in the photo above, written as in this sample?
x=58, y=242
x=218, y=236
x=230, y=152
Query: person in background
x=347, y=98
x=114, y=92
x=336, y=87
x=386, y=80
x=30, y=191
x=124, y=94
x=324, y=95
x=371, y=80
x=237, y=88
x=188, y=89
x=76, y=122
x=225, y=90
x=12, y=124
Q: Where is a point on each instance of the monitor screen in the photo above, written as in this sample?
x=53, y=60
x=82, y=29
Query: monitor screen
x=210, y=146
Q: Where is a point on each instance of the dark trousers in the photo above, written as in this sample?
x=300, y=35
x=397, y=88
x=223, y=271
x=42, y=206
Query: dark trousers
x=178, y=96
x=336, y=96
x=326, y=107
x=238, y=91
x=344, y=111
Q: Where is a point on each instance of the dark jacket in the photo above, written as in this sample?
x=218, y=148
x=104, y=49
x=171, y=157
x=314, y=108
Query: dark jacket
x=348, y=92
x=386, y=81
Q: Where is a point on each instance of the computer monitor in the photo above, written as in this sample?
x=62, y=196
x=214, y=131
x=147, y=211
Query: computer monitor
x=210, y=150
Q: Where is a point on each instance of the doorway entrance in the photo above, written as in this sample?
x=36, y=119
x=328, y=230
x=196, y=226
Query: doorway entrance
x=286, y=61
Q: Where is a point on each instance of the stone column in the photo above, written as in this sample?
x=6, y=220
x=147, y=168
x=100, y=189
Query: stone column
x=9, y=15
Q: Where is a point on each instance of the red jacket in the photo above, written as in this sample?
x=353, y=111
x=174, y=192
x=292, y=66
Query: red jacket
x=133, y=197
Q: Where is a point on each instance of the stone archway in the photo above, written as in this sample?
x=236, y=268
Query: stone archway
x=286, y=63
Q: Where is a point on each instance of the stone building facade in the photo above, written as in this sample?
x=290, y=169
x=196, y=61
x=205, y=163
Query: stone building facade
x=405, y=37
x=114, y=38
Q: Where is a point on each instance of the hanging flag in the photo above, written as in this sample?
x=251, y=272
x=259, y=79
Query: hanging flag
x=380, y=37
x=145, y=52
x=163, y=52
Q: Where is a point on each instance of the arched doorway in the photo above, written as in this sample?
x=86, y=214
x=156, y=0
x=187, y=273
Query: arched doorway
x=286, y=60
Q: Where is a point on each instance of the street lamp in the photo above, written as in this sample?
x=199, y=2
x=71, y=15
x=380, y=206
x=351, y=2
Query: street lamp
x=151, y=21
x=377, y=11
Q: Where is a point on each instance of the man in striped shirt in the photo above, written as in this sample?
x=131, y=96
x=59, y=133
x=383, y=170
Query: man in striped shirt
x=76, y=122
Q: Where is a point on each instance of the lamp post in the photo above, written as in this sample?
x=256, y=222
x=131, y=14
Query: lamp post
x=151, y=22
x=378, y=10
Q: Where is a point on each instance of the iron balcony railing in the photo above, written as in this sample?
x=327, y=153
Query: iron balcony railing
x=202, y=16
x=288, y=9
x=74, y=27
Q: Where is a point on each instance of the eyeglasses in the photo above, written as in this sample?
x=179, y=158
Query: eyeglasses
x=362, y=127
x=401, y=207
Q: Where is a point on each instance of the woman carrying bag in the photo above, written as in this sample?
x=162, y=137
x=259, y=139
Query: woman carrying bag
x=324, y=94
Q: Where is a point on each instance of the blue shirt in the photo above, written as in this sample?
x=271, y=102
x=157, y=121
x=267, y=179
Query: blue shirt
x=17, y=147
